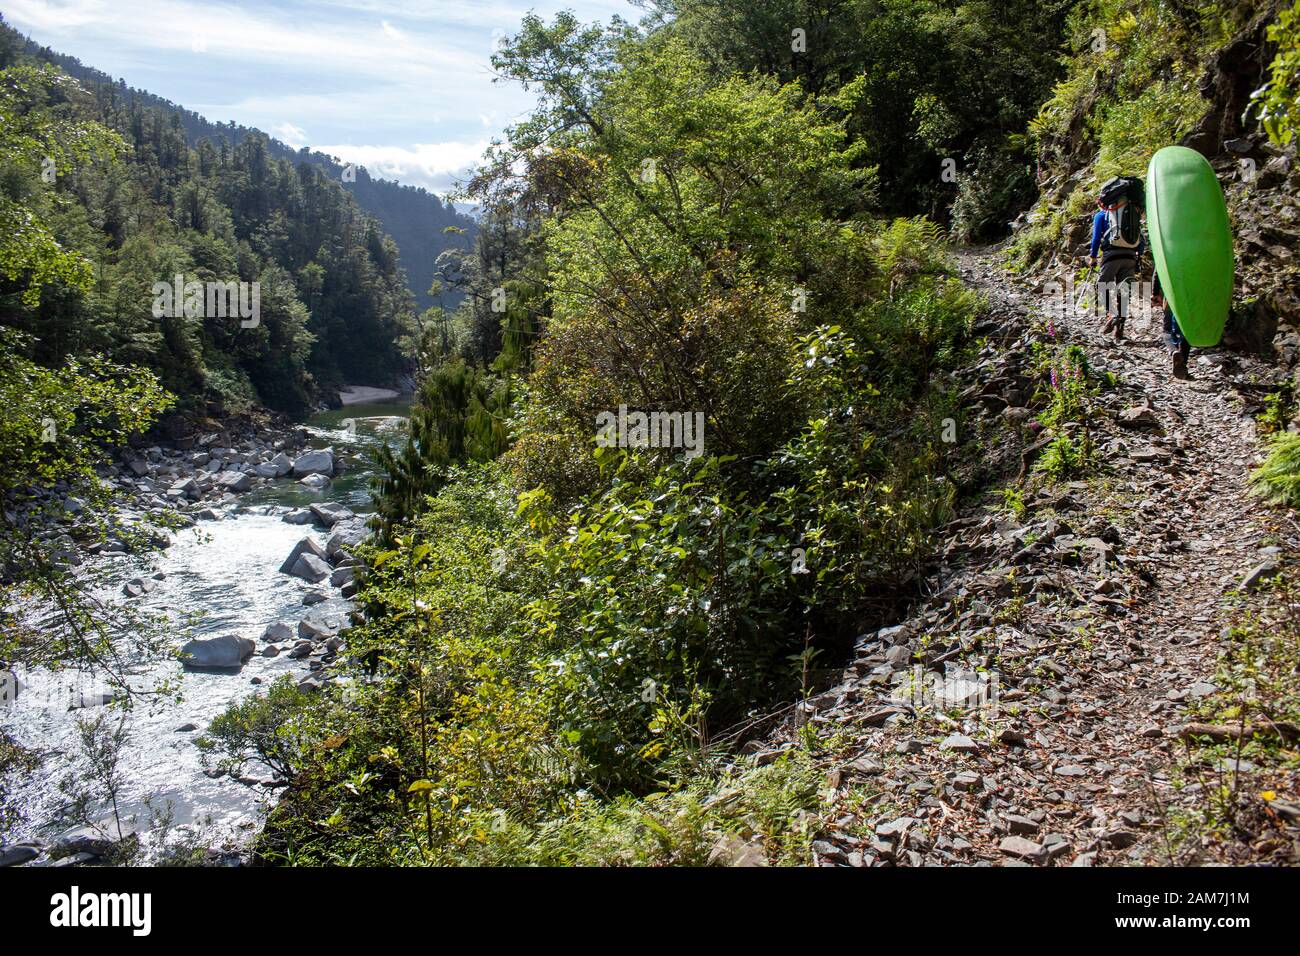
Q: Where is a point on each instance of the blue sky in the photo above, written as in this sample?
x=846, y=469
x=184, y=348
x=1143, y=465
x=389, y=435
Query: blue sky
x=405, y=89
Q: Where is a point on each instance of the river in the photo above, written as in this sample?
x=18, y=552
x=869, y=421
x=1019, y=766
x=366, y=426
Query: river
x=221, y=577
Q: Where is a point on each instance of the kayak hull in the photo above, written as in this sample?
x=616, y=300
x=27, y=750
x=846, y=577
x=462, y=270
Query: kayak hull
x=1191, y=242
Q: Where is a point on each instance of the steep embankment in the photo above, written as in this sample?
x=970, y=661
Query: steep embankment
x=1113, y=612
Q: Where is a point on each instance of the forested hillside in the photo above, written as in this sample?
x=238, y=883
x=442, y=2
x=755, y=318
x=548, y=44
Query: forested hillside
x=415, y=218
x=141, y=205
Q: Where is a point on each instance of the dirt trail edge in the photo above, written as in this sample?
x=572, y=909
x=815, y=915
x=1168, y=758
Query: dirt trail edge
x=1032, y=709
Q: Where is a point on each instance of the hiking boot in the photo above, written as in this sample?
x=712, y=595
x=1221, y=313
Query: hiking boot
x=1110, y=324
x=1180, y=365
x=1119, y=330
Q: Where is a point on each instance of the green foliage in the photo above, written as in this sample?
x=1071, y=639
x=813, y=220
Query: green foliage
x=1277, y=103
x=56, y=427
x=459, y=417
x=530, y=653
x=1065, y=458
x=270, y=727
x=1279, y=407
x=1277, y=481
x=41, y=135
x=1131, y=88
x=932, y=81
x=1066, y=390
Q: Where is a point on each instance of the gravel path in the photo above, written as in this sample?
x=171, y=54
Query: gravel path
x=1101, y=609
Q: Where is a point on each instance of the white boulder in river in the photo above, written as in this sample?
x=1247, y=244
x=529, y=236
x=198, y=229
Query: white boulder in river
x=314, y=462
x=227, y=652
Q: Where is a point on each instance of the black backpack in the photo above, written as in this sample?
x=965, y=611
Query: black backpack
x=1123, y=225
x=1123, y=187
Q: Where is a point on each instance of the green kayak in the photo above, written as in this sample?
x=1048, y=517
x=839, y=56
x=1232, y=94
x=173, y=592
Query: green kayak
x=1191, y=241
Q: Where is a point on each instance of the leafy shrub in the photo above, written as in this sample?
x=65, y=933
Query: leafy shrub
x=1277, y=481
x=1277, y=103
x=271, y=727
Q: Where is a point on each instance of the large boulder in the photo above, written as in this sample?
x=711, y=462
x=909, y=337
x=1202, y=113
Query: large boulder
x=235, y=481
x=282, y=463
x=314, y=462
x=342, y=576
x=330, y=513
x=314, y=482
x=186, y=487
x=317, y=627
x=305, y=546
x=299, y=516
x=310, y=567
x=227, y=652
x=347, y=534
x=279, y=631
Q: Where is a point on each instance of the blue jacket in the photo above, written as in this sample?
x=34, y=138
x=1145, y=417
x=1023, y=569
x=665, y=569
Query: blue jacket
x=1099, y=233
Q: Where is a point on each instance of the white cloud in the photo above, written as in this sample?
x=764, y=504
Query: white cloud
x=389, y=73
x=435, y=166
x=293, y=135
x=341, y=46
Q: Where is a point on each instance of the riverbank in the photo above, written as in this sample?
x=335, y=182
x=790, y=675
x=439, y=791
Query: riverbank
x=255, y=558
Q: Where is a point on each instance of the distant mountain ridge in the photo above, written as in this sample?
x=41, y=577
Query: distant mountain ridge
x=414, y=217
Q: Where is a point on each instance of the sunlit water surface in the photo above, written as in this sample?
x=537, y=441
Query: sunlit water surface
x=222, y=577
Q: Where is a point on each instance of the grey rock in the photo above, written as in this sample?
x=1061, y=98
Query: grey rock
x=315, y=627
x=314, y=462
x=227, y=652
x=1023, y=849
x=345, y=535
x=898, y=656
x=279, y=631
x=1260, y=575
x=17, y=855
x=330, y=513
x=732, y=850
x=1022, y=826
x=234, y=481
x=311, y=568
x=305, y=546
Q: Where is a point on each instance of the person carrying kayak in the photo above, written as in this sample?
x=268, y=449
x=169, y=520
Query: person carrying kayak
x=1178, y=347
x=1117, y=235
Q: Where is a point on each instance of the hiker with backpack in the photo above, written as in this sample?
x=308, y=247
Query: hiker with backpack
x=1117, y=235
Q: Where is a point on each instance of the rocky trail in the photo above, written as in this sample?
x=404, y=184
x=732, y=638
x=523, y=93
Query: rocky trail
x=1033, y=709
